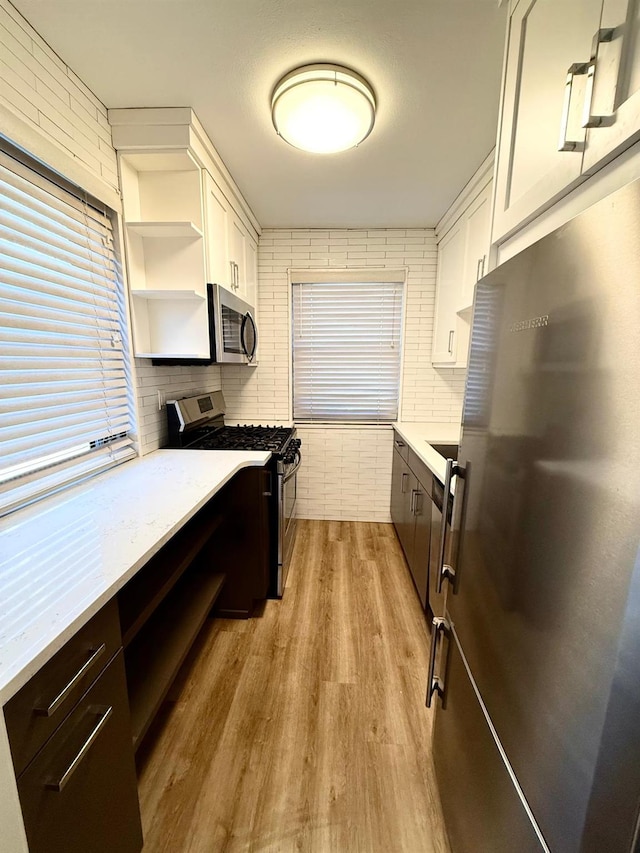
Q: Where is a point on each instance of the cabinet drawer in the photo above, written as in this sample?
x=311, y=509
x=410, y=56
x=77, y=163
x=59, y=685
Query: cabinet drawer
x=79, y=793
x=34, y=713
x=401, y=446
x=422, y=472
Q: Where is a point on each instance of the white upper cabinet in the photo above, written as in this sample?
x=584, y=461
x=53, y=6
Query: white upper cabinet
x=449, y=282
x=162, y=202
x=476, y=253
x=571, y=102
x=217, y=214
x=181, y=230
x=613, y=116
x=231, y=250
x=541, y=139
x=251, y=275
x=237, y=253
x=463, y=258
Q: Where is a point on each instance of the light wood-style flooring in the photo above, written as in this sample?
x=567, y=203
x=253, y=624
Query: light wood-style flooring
x=303, y=729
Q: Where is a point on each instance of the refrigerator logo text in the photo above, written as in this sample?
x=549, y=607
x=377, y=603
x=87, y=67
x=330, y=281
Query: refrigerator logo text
x=535, y=323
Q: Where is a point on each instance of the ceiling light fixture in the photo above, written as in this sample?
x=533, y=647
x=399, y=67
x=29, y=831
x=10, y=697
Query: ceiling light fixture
x=323, y=108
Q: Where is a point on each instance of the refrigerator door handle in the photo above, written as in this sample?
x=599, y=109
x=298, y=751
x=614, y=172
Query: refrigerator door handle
x=445, y=570
x=435, y=684
x=449, y=571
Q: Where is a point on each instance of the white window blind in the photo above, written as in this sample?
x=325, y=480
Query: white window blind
x=65, y=406
x=346, y=350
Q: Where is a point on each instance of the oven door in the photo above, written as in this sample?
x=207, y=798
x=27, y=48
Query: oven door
x=287, y=493
x=233, y=327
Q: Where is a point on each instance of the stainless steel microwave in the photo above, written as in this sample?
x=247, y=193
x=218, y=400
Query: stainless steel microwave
x=232, y=327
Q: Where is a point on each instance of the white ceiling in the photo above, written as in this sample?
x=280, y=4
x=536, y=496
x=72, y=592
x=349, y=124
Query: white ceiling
x=434, y=65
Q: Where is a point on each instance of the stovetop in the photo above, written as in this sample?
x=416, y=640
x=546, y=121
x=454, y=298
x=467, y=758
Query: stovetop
x=247, y=437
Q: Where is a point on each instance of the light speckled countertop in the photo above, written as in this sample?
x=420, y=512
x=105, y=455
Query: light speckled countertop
x=420, y=437
x=63, y=558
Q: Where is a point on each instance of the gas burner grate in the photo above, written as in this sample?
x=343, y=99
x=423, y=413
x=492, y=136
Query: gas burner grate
x=247, y=437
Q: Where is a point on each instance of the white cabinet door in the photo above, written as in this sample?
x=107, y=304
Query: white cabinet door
x=548, y=50
x=218, y=213
x=614, y=114
x=251, y=282
x=237, y=253
x=451, y=253
x=476, y=256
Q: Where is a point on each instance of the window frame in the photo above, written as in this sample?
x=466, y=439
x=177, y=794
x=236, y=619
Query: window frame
x=348, y=275
x=29, y=168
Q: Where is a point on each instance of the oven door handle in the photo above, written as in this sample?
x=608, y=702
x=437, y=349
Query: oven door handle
x=294, y=470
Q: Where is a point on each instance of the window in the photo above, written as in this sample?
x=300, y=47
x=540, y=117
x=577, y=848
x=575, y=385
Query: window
x=347, y=349
x=65, y=407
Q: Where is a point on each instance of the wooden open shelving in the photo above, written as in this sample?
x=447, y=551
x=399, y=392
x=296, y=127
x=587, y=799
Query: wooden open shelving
x=155, y=656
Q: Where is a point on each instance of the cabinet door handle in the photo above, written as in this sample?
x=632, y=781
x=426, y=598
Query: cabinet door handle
x=405, y=477
x=412, y=508
x=588, y=120
x=450, y=347
x=435, y=684
x=575, y=70
x=53, y=707
x=484, y=260
x=479, y=269
x=233, y=275
x=399, y=443
x=60, y=783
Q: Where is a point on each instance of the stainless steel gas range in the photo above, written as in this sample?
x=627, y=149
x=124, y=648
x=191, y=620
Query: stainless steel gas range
x=197, y=423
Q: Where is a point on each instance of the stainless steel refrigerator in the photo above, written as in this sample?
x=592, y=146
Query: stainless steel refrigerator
x=536, y=655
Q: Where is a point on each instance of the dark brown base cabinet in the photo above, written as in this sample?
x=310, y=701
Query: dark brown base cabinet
x=411, y=513
x=79, y=794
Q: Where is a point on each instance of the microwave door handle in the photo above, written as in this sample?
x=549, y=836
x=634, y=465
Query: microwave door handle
x=245, y=320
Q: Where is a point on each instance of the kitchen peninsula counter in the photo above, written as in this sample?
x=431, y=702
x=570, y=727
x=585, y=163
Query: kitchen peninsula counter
x=62, y=559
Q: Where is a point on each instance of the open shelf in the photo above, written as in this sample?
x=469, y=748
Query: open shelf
x=201, y=355
x=148, y=589
x=167, y=294
x=164, y=229
x=155, y=657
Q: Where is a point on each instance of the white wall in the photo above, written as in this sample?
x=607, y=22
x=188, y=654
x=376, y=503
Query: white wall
x=39, y=90
x=347, y=470
x=48, y=110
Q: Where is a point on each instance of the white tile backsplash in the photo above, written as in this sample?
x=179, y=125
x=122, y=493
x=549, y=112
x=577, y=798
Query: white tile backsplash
x=172, y=382
x=346, y=471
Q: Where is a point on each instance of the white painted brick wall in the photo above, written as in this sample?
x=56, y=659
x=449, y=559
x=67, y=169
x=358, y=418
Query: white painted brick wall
x=346, y=471
x=38, y=88
x=172, y=382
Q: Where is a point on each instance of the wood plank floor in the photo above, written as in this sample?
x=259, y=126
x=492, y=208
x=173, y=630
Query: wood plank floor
x=303, y=729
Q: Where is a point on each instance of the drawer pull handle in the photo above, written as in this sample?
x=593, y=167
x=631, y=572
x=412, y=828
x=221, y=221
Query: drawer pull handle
x=60, y=784
x=60, y=698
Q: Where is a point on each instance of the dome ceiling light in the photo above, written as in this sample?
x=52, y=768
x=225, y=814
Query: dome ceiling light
x=323, y=108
